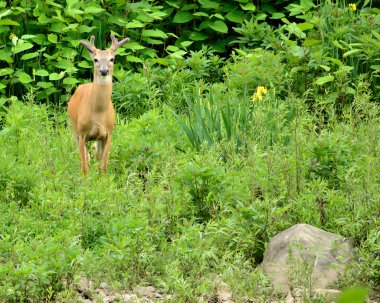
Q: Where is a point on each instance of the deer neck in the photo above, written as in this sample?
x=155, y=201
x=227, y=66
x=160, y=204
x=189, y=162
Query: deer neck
x=101, y=92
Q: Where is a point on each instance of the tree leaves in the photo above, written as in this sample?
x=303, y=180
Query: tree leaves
x=219, y=26
x=182, y=17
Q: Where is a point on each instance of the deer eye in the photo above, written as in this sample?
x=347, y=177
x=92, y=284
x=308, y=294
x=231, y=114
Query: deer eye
x=95, y=60
x=112, y=59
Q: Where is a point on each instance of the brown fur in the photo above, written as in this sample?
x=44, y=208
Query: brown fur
x=91, y=110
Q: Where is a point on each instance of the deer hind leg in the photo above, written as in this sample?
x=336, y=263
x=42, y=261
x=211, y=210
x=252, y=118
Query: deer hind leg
x=102, y=150
x=84, y=154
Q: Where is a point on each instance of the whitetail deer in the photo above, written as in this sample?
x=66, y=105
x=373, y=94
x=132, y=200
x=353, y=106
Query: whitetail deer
x=91, y=110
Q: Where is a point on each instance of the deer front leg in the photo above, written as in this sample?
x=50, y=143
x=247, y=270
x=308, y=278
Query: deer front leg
x=84, y=156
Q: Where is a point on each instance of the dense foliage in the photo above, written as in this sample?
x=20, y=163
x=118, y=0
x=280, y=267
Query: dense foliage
x=235, y=121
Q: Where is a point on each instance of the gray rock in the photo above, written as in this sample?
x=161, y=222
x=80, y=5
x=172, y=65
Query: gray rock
x=304, y=256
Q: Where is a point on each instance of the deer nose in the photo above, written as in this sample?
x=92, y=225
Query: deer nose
x=103, y=71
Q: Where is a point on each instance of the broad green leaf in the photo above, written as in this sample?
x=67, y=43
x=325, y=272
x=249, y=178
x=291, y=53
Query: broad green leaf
x=2, y=86
x=198, y=36
x=70, y=81
x=131, y=58
x=8, y=22
x=153, y=41
x=189, y=7
x=248, y=7
x=44, y=84
x=5, y=13
x=182, y=17
x=323, y=80
x=134, y=46
x=209, y=4
x=85, y=64
x=41, y=73
x=173, y=3
x=93, y=9
x=22, y=46
x=68, y=52
x=310, y=42
x=64, y=64
x=277, y=16
x=55, y=76
x=161, y=61
x=235, y=16
x=154, y=33
x=219, y=26
x=135, y=24
x=326, y=68
x=200, y=14
x=86, y=29
x=350, y=52
x=304, y=26
x=53, y=38
x=6, y=55
x=172, y=48
x=23, y=37
x=375, y=67
x=219, y=16
x=24, y=78
x=5, y=71
x=186, y=43
x=178, y=54
x=307, y=4
x=52, y=3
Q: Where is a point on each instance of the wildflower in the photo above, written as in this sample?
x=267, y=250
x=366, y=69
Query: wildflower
x=352, y=7
x=11, y=36
x=260, y=91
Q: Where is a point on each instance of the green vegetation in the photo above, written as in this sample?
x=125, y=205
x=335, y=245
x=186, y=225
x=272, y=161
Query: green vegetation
x=216, y=148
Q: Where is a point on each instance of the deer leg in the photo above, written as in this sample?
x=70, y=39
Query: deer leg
x=104, y=151
x=84, y=156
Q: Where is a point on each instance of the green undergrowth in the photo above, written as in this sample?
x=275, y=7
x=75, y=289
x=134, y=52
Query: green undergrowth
x=180, y=218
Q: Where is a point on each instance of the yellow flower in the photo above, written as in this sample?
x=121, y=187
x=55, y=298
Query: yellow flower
x=11, y=36
x=352, y=7
x=260, y=91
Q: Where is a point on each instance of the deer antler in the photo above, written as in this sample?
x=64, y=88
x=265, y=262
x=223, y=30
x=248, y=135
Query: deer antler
x=116, y=43
x=90, y=46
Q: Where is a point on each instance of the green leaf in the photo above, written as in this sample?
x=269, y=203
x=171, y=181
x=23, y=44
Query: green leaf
x=2, y=86
x=182, y=17
x=338, y=45
x=44, y=84
x=186, y=43
x=94, y=10
x=53, y=38
x=134, y=46
x=326, y=68
x=304, y=26
x=350, y=52
x=8, y=22
x=55, y=76
x=70, y=81
x=200, y=14
x=154, y=33
x=161, y=61
x=30, y=56
x=41, y=72
x=172, y=48
x=5, y=71
x=248, y=7
x=277, y=16
x=86, y=29
x=219, y=26
x=209, y=4
x=178, y=54
x=310, y=42
x=323, y=80
x=235, y=16
x=135, y=24
x=24, y=78
x=22, y=46
x=198, y=36
x=131, y=58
